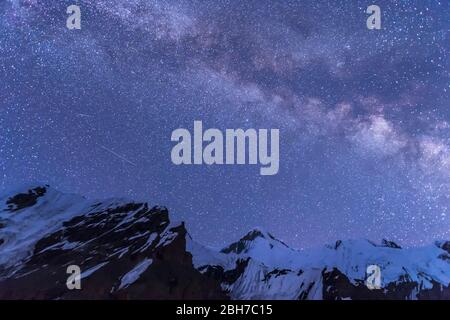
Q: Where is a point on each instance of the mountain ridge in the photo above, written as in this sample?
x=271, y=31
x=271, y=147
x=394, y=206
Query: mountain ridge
x=129, y=250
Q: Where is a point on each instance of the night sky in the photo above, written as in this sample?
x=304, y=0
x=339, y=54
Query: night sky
x=364, y=115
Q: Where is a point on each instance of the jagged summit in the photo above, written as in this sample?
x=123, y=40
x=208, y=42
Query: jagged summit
x=390, y=244
x=258, y=232
x=362, y=243
x=256, y=235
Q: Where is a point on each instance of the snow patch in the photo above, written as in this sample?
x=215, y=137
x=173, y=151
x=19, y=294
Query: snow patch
x=90, y=271
x=134, y=274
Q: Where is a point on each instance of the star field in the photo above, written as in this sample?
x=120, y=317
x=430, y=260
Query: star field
x=364, y=115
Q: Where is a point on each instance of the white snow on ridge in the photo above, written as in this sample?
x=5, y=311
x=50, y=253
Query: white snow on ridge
x=202, y=255
x=23, y=228
x=270, y=252
x=90, y=271
x=352, y=257
x=275, y=271
x=133, y=275
x=168, y=235
x=152, y=237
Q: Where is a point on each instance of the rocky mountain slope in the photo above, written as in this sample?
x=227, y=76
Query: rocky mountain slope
x=128, y=250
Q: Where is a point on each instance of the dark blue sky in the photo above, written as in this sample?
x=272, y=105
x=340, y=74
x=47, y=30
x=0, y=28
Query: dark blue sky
x=363, y=114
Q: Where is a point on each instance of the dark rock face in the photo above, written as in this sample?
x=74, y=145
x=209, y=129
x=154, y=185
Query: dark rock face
x=276, y=273
x=390, y=244
x=116, y=239
x=445, y=246
x=337, y=244
x=228, y=276
x=24, y=200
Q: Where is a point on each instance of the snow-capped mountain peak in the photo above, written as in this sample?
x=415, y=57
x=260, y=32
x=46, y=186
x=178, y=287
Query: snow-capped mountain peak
x=263, y=247
x=252, y=239
x=29, y=215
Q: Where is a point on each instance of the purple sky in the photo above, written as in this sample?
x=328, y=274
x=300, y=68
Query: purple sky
x=363, y=114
